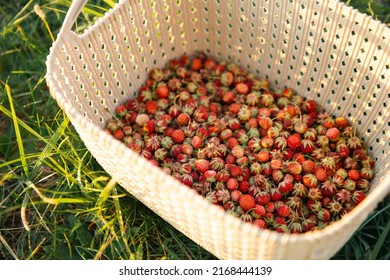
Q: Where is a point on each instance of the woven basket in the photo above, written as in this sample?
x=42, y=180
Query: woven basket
x=324, y=50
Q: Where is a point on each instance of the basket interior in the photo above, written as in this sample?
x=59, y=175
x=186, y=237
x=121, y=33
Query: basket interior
x=322, y=49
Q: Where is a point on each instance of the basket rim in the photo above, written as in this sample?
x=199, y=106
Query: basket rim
x=382, y=189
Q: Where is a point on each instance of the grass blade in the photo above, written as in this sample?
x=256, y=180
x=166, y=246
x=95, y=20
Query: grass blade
x=8, y=247
x=17, y=131
x=379, y=244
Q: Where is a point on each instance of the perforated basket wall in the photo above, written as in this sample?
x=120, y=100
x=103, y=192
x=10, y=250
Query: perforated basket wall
x=322, y=49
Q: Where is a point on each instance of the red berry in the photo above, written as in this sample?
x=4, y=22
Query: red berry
x=202, y=165
x=332, y=133
x=121, y=110
x=294, y=141
x=197, y=142
x=183, y=119
x=263, y=156
x=246, y=202
x=353, y=174
x=196, y=64
x=119, y=134
x=232, y=184
x=308, y=166
x=178, y=136
x=162, y=91
x=242, y=88
x=341, y=122
x=294, y=168
x=283, y=211
x=320, y=173
x=151, y=107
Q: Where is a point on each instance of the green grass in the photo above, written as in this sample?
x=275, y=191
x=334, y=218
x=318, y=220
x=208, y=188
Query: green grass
x=56, y=202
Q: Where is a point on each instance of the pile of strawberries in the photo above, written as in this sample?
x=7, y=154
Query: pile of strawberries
x=267, y=156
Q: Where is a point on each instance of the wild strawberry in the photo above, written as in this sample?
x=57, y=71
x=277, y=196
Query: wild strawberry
x=183, y=119
x=314, y=194
x=367, y=173
x=308, y=166
x=299, y=189
x=308, y=225
x=358, y=196
x=276, y=163
x=349, y=185
x=307, y=146
x=242, y=88
x=299, y=157
x=294, y=168
x=121, y=110
x=141, y=119
x=313, y=205
x=227, y=78
x=310, y=180
x=334, y=207
x=341, y=122
x=276, y=194
x=310, y=134
x=280, y=143
x=342, y=150
x=263, y=156
x=178, y=136
x=238, y=151
x=255, y=168
x=320, y=173
x=197, y=142
x=277, y=175
x=300, y=127
x=210, y=176
x=246, y=202
x=267, y=170
x=262, y=198
x=354, y=142
x=151, y=107
x=343, y=195
x=265, y=122
x=285, y=186
x=333, y=133
x=232, y=184
x=260, y=223
x=119, y=134
x=328, y=163
x=162, y=91
x=327, y=120
x=223, y=175
x=350, y=163
x=258, y=212
x=328, y=188
x=294, y=141
x=309, y=106
x=235, y=195
x=283, y=211
x=202, y=165
x=201, y=114
x=217, y=163
x=235, y=171
x=323, y=214
x=196, y=64
x=363, y=184
x=353, y=174
x=267, y=142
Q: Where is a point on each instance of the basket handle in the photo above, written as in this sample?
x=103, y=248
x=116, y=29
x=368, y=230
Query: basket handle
x=71, y=16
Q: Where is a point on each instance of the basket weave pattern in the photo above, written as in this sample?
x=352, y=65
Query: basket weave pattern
x=322, y=49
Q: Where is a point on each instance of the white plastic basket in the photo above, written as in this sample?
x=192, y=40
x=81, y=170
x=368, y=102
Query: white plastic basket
x=322, y=49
